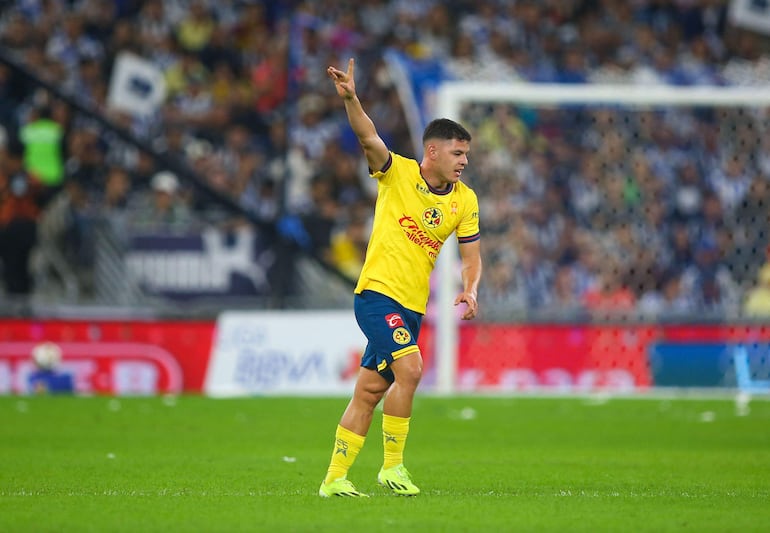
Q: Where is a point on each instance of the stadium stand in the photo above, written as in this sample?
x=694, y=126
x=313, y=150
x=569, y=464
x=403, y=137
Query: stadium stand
x=248, y=110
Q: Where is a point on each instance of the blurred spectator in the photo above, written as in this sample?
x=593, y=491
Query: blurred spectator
x=698, y=63
x=752, y=226
x=261, y=197
x=679, y=249
x=757, y=304
x=19, y=213
x=66, y=224
x=585, y=269
x=688, y=192
x=162, y=209
x=112, y=203
x=196, y=27
x=48, y=377
x=609, y=297
x=731, y=181
x=154, y=28
x=193, y=108
x=251, y=28
x=320, y=216
x=499, y=288
x=667, y=300
x=69, y=43
x=462, y=63
x=348, y=247
x=533, y=276
x=314, y=132
x=709, y=283
x=574, y=65
x=43, y=137
x=10, y=96
x=585, y=187
x=186, y=69
x=565, y=299
x=270, y=80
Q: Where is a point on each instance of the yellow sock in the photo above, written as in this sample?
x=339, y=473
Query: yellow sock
x=346, y=447
x=394, y=432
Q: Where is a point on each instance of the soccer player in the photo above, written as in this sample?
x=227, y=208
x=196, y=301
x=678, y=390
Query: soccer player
x=419, y=205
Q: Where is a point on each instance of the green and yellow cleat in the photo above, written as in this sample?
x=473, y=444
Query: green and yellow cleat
x=398, y=480
x=340, y=487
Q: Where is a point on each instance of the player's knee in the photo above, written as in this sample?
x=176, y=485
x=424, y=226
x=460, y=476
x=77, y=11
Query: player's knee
x=408, y=372
x=371, y=394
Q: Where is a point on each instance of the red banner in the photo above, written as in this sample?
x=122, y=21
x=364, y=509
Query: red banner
x=573, y=357
x=111, y=357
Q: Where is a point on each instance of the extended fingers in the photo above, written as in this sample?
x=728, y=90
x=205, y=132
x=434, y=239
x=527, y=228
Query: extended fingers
x=335, y=73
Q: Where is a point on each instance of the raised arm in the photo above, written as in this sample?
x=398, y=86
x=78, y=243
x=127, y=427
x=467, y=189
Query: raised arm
x=470, y=256
x=374, y=147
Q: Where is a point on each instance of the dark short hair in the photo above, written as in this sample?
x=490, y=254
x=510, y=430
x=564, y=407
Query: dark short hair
x=445, y=129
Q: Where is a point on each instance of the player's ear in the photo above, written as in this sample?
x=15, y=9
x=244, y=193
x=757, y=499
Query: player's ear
x=432, y=150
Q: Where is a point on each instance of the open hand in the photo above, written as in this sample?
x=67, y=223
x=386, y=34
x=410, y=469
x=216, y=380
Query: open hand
x=344, y=81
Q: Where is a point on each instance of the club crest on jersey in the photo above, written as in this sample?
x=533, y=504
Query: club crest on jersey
x=401, y=336
x=432, y=217
x=394, y=320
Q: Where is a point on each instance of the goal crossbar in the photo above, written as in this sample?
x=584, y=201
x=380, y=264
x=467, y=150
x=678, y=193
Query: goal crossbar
x=450, y=94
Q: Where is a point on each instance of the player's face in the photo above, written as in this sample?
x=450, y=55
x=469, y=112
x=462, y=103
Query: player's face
x=452, y=160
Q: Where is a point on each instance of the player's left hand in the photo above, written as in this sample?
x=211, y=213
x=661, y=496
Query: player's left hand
x=472, y=306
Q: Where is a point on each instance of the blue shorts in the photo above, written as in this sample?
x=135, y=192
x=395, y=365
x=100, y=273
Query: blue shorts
x=390, y=328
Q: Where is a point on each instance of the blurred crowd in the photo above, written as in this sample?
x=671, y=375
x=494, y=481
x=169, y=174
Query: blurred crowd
x=597, y=210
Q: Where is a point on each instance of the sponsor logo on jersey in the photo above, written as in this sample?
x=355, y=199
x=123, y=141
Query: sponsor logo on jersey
x=401, y=336
x=394, y=320
x=418, y=236
x=432, y=217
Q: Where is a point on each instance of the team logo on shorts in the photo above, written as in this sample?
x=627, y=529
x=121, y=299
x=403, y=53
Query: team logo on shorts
x=401, y=336
x=394, y=320
x=432, y=217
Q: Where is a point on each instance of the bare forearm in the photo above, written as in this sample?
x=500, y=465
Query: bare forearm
x=362, y=125
x=471, y=276
x=374, y=148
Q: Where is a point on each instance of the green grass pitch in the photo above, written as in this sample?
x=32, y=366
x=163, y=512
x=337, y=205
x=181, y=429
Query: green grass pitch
x=484, y=464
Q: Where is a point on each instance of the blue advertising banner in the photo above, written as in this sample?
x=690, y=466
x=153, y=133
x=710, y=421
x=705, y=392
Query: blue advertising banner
x=710, y=364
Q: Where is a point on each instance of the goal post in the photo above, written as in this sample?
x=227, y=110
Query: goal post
x=451, y=100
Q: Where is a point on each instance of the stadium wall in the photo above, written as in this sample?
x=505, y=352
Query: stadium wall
x=306, y=352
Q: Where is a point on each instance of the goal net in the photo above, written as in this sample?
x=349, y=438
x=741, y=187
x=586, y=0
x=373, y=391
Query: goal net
x=607, y=203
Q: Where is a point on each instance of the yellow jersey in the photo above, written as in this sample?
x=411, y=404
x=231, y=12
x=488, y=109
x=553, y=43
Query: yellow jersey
x=412, y=220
